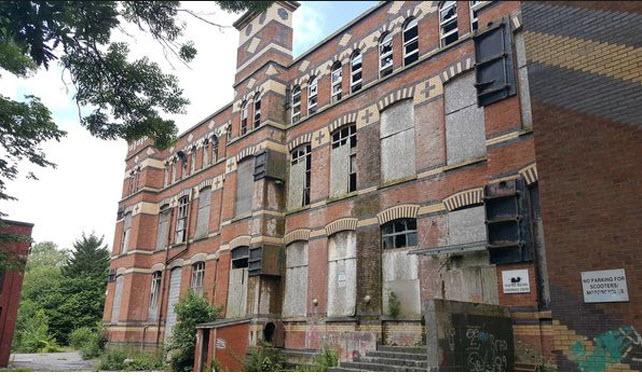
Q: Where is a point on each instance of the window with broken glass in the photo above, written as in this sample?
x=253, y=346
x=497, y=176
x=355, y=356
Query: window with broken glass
x=474, y=17
x=301, y=157
x=448, y=23
x=337, y=79
x=385, y=55
x=312, y=96
x=296, y=104
x=410, y=42
x=244, y=118
x=154, y=293
x=257, y=110
x=181, y=221
x=399, y=233
x=355, y=71
x=198, y=273
x=344, y=149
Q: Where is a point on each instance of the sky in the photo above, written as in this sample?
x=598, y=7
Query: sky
x=81, y=195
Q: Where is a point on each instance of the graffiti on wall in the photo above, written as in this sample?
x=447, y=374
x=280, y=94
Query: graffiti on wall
x=623, y=345
x=481, y=343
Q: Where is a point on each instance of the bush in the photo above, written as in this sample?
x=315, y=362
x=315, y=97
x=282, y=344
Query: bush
x=190, y=311
x=35, y=336
x=121, y=359
x=90, y=341
x=327, y=359
x=264, y=358
x=394, y=304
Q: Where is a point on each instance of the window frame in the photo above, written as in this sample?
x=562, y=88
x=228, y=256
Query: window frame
x=445, y=6
x=474, y=7
x=414, y=39
x=336, y=81
x=214, y=155
x=192, y=161
x=162, y=213
x=296, y=105
x=126, y=235
x=393, y=235
x=257, y=111
x=341, y=137
x=181, y=220
x=198, y=277
x=154, y=292
x=301, y=152
x=313, y=100
x=244, y=118
x=358, y=83
x=386, y=70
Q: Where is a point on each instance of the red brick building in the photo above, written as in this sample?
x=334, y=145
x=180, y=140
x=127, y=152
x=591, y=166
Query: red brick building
x=392, y=163
x=11, y=284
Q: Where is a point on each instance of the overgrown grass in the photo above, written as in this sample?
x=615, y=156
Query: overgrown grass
x=90, y=341
x=327, y=359
x=123, y=359
x=394, y=304
x=264, y=358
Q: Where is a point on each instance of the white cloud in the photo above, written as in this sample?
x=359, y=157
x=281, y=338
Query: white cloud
x=309, y=24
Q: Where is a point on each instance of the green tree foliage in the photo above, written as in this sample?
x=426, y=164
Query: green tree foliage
x=190, y=311
x=71, y=296
x=119, y=97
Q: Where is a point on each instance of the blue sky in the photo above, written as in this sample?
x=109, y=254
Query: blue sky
x=82, y=193
x=315, y=20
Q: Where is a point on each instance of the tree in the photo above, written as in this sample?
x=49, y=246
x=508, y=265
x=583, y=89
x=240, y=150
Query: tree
x=116, y=97
x=47, y=254
x=190, y=311
x=90, y=258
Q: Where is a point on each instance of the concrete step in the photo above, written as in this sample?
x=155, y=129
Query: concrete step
x=376, y=367
x=407, y=349
x=396, y=355
x=420, y=364
x=341, y=369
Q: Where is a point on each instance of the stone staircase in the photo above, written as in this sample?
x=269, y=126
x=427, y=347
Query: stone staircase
x=388, y=359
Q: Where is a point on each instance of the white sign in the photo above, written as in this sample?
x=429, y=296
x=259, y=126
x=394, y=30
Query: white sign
x=341, y=279
x=516, y=281
x=605, y=286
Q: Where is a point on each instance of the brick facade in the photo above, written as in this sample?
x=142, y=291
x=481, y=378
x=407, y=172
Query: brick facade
x=11, y=285
x=442, y=193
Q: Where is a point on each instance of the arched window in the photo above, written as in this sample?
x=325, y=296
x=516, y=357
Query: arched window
x=300, y=176
x=214, y=157
x=296, y=104
x=385, y=55
x=181, y=220
x=257, y=110
x=203, y=216
x=198, y=273
x=312, y=96
x=163, y=227
x=244, y=117
x=167, y=174
x=410, y=42
x=154, y=293
x=355, y=71
x=127, y=224
x=474, y=9
x=399, y=233
x=337, y=80
x=206, y=153
x=448, y=23
x=296, y=279
x=192, y=160
x=174, y=169
x=344, y=149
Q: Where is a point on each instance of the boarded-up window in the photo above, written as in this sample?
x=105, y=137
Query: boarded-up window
x=154, y=293
x=126, y=233
x=465, y=130
x=115, y=308
x=203, y=218
x=163, y=225
x=342, y=274
x=466, y=226
x=296, y=279
x=237, y=289
x=172, y=299
x=400, y=276
x=398, y=141
x=300, y=176
x=244, y=186
x=343, y=176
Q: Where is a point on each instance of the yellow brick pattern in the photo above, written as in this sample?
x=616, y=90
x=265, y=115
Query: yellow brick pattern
x=613, y=60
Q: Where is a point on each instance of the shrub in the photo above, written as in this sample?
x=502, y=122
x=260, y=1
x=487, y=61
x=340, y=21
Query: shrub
x=90, y=341
x=264, y=358
x=190, y=311
x=327, y=359
x=35, y=337
x=121, y=359
x=394, y=304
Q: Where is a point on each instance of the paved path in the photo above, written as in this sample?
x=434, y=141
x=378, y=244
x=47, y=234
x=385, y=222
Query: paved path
x=53, y=362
